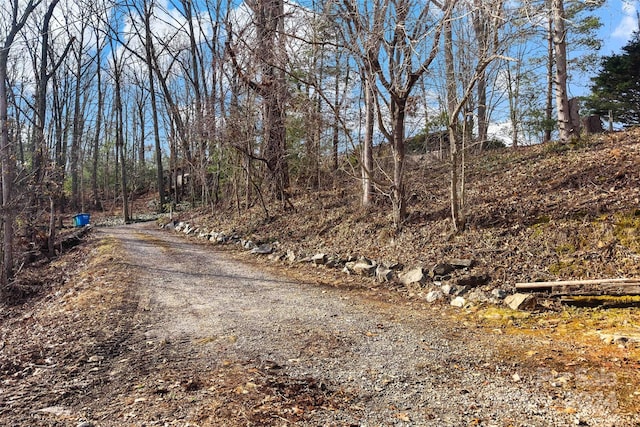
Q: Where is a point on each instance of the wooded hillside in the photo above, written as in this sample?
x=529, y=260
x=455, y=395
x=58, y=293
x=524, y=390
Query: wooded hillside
x=538, y=213
x=254, y=104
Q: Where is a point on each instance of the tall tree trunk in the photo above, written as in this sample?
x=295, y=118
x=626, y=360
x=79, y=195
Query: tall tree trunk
x=480, y=29
x=336, y=121
x=367, y=144
x=41, y=97
x=269, y=22
x=455, y=149
x=398, y=112
x=77, y=128
x=548, y=112
x=513, y=88
x=565, y=124
x=154, y=108
x=7, y=159
x=200, y=139
x=120, y=143
x=6, y=154
x=96, y=137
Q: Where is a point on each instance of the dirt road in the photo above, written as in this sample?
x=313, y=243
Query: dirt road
x=204, y=340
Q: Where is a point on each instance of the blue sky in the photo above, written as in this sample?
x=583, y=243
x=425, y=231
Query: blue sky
x=619, y=19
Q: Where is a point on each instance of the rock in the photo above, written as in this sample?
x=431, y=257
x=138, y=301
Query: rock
x=264, y=249
x=333, y=262
x=275, y=256
x=248, y=244
x=291, y=256
x=384, y=274
x=319, y=259
x=458, y=302
x=171, y=225
x=55, y=410
x=85, y=424
x=461, y=262
x=520, y=301
x=441, y=269
x=434, y=296
x=180, y=226
x=448, y=289
x=396, y=266
x=477, y=295
x=474, y=281
x=620, y=339
x=415, y=275
x=364, y=268
x=499, y=293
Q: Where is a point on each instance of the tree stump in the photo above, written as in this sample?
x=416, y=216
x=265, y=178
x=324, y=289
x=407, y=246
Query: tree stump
x=592, y=124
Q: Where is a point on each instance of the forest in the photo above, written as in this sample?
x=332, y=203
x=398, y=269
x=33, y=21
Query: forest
x=208, y=103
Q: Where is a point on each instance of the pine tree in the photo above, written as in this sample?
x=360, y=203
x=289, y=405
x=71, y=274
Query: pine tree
x=617, y=87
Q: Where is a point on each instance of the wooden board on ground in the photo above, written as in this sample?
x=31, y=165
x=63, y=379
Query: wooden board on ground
x=622, y=286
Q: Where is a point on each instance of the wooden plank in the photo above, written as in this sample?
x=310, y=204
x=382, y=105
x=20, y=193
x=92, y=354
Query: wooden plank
x=613, y=289
x=538, y=285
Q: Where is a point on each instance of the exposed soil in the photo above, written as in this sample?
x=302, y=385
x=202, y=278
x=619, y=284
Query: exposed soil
x=152, y=329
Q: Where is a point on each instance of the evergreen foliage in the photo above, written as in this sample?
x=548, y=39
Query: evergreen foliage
x=617, y=87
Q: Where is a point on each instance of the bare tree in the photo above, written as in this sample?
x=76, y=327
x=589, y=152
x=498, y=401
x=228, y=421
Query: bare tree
x=458, y=97
x=18, y=18
x=268, y=20
x=117, y=66
x=403, y=35
x=149, y=58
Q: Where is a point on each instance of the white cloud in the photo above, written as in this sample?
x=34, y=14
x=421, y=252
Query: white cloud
x=628, y=23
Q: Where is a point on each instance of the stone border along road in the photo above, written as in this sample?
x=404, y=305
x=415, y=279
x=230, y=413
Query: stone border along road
x=403, y=365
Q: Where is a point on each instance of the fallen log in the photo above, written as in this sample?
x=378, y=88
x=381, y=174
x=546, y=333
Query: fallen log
x=538, y=285
x=594, y=287
x=68, y=241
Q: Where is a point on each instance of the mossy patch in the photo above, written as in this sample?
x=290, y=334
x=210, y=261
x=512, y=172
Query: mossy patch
x=627, y=230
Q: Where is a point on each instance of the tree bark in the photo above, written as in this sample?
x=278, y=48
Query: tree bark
x=548, y=112
x=457, y=177
x=398, y=112
x=6, y=152
x=120, y=143
x=96, y=136
x=480, y=24
x=149, y=54
x=78, y=120
x=367, y=144
x=7, y=158
x=565, y=125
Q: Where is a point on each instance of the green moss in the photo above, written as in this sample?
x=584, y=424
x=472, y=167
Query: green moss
x=627, y=230
x=543, y=219
x=559, y=268
x=565, y=249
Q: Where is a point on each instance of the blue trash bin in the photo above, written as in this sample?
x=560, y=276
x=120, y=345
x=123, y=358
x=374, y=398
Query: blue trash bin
x=81, y=219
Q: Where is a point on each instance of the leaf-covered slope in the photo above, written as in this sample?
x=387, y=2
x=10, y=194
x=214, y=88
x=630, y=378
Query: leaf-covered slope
x=534, y=213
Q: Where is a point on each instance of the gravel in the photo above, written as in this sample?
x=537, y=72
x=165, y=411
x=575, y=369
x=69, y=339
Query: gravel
x=392, y=362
